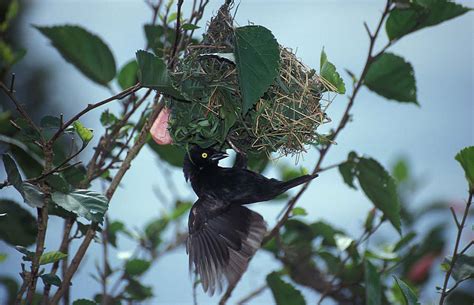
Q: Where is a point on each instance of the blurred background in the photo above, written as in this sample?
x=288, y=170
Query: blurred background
x=426, y=138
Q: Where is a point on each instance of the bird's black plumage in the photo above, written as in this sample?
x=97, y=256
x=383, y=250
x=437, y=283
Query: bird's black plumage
x=223, y=234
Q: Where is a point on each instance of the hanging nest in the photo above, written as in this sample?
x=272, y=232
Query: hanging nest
x=284, y=119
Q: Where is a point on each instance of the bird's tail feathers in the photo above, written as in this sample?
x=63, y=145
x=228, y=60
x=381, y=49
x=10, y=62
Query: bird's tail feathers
x=297, y=181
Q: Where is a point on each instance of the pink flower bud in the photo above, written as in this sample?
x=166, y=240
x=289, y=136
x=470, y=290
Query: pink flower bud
x=159, y=130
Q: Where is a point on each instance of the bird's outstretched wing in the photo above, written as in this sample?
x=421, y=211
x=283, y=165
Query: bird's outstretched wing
x=222, y=239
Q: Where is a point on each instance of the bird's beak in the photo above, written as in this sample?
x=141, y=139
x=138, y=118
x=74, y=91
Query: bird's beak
x=219, y=156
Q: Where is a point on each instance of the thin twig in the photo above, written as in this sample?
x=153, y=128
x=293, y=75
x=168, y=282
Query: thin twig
x=68, y=223
x=455, y=256
x=252, y=295
x=90, y=107
x=177, y=34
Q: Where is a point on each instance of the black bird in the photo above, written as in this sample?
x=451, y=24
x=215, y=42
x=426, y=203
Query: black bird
x=223, y=234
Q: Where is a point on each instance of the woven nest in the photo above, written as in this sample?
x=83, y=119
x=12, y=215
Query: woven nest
x=284, y=119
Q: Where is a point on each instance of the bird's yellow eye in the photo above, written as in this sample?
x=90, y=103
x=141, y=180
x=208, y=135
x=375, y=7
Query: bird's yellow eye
x=204, y=155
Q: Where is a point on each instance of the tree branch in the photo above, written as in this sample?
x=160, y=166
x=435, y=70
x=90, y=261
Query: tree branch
x=460, y=227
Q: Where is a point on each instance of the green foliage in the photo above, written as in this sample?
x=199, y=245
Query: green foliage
x=420, y=14
x=128, y=75
x=112, y=229
x=84, y=302
x=463, y=267
x=189, y=27
x=136, y=291
x=466, y=158
x=409, y=296
x=17, y=226
x=172, y=154
x=153, y=73
x=84, y=133
x=329, y=73
x=32, y=195
x=85, y=203
x=13, y=174
x=50, y=121
x=392, y=77
x=86, y=51
x=257, y=57
x=298, y=211
x=11, y=13
x=136, y=267
x=380, y=188
x=159, y=38
x=58, y=183
x=51, y=279
x=376, y=183
x=51, y=257
x=283, y=292
x=373, y=284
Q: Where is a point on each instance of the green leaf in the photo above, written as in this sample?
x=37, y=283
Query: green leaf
x=58, y=183
x=128, y=75
x=420, y=14
x=348, y=172
x=189, y=27
x=86, y=51
x=107, y=119
x=13, y=174
x=400, y=170
x=299, y=211
x=153, y=73
x=85, y=203
x=181, y=208
x=257, y=56
x=83, y=302
x=373, y=285
x=32, y=195
x=3, y=257
x=283, y=292
x=392, y=77
x=51, y=257
x=326, y=231
x=156, y=35
x=380, y=188
x=172, y=154
x=409, y=296
x=463, y=268
x=11, y=13
x=138, y=292
x=51, y=279
x=466, y=158
x=18, y=226
x=404, y=241
x=50, y=121
x=136, y=267
x=329, y=73
x=84, y=133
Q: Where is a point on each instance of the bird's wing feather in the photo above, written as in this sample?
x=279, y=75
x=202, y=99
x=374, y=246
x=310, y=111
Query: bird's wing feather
x=222, y=239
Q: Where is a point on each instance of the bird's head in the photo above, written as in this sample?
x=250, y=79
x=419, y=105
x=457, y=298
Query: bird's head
x=198, y=158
